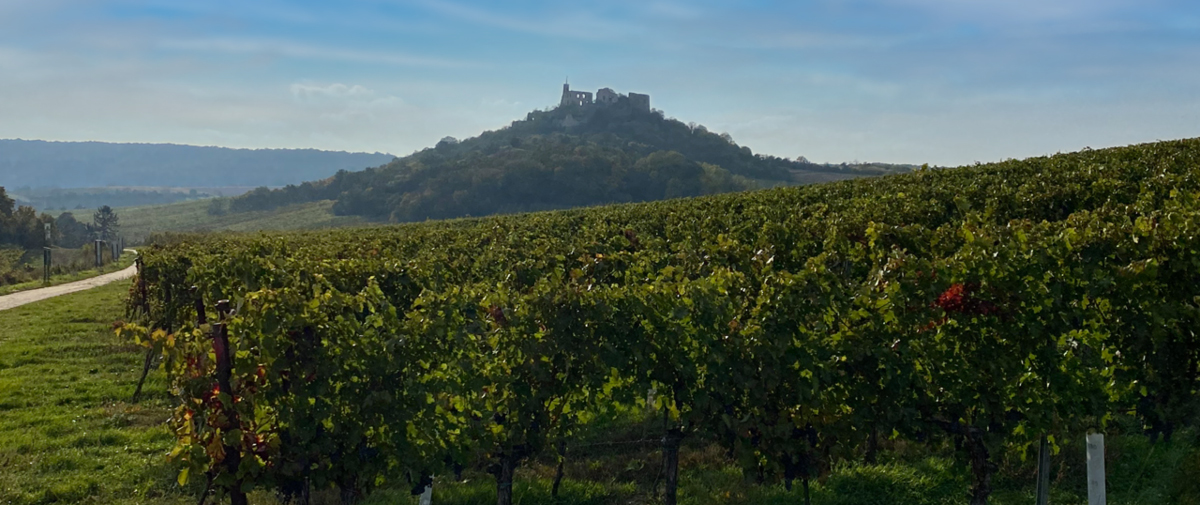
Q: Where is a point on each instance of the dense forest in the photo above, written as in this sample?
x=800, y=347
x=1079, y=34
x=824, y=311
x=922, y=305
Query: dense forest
x=38, y=163
x=570, y=156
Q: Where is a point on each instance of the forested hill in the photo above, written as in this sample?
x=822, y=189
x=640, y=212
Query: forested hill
x=37, y=163
x=561, y=158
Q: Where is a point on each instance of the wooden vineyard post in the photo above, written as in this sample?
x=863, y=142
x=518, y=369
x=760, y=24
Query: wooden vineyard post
x=201, y=319
x=220, y=343
x=224, y=355
x=1095, y=469
x=504, y=478
x=1043, y=473
x=671, y=442
x=143, y=292
x=145, y=299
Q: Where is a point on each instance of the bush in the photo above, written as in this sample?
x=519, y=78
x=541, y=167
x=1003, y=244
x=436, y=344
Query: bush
x=930, y=482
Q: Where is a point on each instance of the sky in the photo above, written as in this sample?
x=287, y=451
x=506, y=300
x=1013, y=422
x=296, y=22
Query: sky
x=945, y=82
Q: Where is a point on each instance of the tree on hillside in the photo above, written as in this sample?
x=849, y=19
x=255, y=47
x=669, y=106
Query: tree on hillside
x=218, y=207
x=72, y=233
x=6, y=204
x=105, y=223
x=21, y=225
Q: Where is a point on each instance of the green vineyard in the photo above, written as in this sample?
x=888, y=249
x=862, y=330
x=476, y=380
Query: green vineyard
x=991, y=305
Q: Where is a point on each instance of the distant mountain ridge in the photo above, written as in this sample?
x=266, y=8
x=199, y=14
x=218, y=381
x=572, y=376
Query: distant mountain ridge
x=38, y=163
x=578, y=154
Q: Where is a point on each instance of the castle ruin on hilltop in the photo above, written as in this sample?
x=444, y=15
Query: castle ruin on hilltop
x=605, y=96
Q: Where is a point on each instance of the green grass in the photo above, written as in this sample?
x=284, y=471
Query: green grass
x=69, y=435
x=122, y=263
x=10, y=257
x=193, y=216
x=1138, y=473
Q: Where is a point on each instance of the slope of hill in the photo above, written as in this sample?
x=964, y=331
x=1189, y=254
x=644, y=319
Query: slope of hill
x=37, y=163
x=193, y=216
x=570, y=156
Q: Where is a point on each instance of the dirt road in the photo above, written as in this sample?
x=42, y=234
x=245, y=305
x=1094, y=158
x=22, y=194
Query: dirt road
x=34, y=295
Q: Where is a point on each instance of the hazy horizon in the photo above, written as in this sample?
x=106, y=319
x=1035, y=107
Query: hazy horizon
x=899, y=81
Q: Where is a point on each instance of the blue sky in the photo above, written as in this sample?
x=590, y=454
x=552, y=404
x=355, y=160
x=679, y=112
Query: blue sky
x=945, y=82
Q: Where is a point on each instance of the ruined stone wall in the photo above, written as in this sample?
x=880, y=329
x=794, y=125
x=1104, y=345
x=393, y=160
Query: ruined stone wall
x=606, y=96
x=639, y=101
x=576, y=97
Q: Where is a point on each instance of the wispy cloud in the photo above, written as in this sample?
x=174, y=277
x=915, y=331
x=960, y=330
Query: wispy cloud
x=299, y=50
x=802, y=38
x=575, y=23
x=1004, y=11
x=341, y=102
x=336, y=90
x=671, y=10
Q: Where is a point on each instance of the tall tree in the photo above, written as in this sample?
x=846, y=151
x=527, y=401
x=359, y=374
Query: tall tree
x=6, y=204
x=72, y=233
x=6, y=220
x=105, y=223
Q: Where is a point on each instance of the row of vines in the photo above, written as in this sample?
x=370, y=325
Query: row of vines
x=992, y=305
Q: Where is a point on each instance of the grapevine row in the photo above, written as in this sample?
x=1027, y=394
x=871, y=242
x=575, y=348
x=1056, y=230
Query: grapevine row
x=994, y=304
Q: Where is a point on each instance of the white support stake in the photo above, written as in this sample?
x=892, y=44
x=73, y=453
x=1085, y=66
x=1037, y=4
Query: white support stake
x=1095, y=469
x=427, y=496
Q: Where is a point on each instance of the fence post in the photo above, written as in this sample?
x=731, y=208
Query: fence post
x=46, y=256
x=1095, y=469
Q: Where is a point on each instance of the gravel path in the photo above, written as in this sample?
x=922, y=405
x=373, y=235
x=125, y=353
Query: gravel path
x=36, y=295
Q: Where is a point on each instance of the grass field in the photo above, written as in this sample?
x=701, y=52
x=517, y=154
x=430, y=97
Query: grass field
x=69, y=435
x=193, y=216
